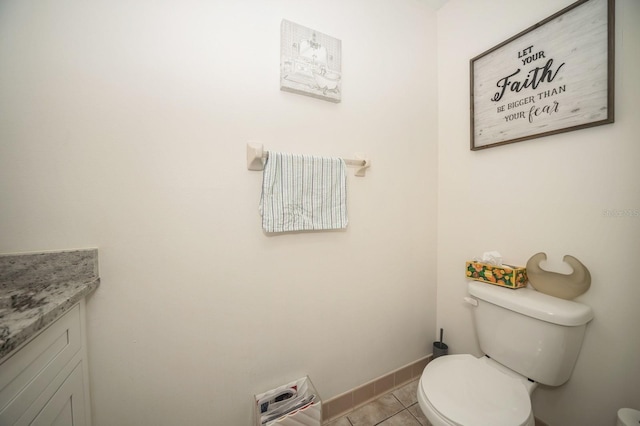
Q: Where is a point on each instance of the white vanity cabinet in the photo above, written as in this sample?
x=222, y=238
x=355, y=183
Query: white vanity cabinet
x=44, y=382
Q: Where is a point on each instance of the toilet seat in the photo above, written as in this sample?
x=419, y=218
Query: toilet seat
x=467, y=391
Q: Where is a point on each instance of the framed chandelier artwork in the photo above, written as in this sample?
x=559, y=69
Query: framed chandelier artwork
x=310, y=62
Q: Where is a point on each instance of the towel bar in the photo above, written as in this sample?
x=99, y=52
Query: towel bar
x=256, y=156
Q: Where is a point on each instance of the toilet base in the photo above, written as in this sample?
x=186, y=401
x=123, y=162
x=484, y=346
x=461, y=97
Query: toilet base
x=628, y=417
x=429, y=412
x=444, y=378
x=437, y=420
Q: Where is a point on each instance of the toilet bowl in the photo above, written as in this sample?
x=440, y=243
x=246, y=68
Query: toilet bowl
x=628, y=417
x=470, y=391
x=528, y=338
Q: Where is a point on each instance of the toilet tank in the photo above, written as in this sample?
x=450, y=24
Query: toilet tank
x=532, y=333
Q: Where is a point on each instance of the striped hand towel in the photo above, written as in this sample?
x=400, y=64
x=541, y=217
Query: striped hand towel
x=303, y=192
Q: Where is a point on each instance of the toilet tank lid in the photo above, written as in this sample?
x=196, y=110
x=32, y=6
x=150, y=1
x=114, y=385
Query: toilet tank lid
x=530, y=302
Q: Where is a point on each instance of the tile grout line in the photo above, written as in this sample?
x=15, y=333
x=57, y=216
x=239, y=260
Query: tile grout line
x=369, y=401
x=404, y=407
x=394, y=414
x=401, y=377
x=412, y=415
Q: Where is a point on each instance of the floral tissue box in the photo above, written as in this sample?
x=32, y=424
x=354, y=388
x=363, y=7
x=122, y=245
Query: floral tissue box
x=505, y=276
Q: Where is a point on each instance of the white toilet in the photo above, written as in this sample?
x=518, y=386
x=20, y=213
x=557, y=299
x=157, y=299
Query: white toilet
x=628, y=417
x=529, y=338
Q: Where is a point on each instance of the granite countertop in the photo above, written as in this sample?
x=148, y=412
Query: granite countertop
x=37, y=288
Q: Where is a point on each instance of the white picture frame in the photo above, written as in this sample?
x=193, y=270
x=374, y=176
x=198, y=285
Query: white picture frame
x=310, y=62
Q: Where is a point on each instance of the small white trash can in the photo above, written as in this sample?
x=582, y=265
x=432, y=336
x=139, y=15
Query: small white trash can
x=294, y=404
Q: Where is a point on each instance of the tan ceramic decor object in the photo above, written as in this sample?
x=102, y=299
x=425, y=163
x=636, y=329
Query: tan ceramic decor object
x=555, y=284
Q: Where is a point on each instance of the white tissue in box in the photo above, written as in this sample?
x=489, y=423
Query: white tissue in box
x=492, y=258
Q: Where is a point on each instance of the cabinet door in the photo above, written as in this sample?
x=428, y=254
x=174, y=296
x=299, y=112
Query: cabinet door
x=66, y=406
x=28, y=374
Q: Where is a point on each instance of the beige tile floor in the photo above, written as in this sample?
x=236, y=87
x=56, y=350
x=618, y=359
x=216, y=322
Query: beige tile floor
x=397, y=408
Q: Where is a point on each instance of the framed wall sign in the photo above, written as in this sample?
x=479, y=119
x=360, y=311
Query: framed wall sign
x=553, y=77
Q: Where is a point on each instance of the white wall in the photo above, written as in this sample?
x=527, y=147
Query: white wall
x=547, y=195
x=123, y=126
